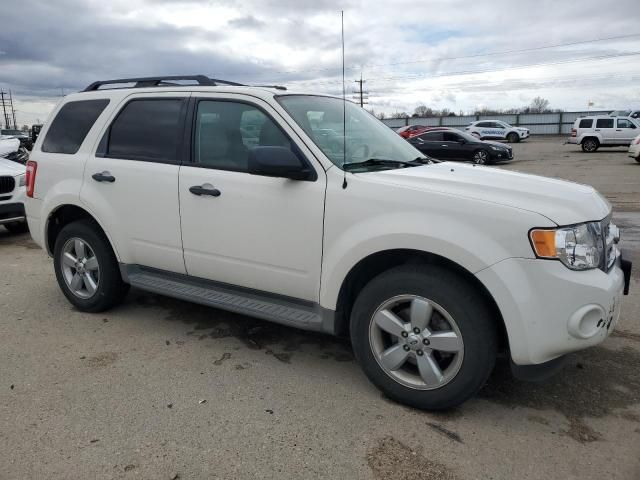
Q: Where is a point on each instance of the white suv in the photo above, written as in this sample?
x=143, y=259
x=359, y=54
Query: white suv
x=603, y=131
x=235, y=197
x=497, y=130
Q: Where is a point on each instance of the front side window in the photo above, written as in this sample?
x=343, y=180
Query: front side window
x=624, y=123
x=71, y=125
x=432, y=137
x=225, y=132
x=362, y=137
x=604, y=123
x=451, y=137
x=585, y=123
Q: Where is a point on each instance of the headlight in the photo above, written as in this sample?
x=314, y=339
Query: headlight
x=496, y=148
x=580, y=247
x=22, y=180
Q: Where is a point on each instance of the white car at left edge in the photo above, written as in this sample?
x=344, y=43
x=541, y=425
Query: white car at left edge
x=497, y=130
x=12, y=188
x=634, y=149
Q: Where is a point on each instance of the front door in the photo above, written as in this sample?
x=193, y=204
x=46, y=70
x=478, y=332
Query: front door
x=252, y=231
x=131, y=182
x=626, y=130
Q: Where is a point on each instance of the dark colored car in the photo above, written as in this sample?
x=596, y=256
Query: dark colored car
x=455, y=145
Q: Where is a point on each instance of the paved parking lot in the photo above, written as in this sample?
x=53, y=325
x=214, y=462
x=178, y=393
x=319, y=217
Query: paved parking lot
x=162, y=389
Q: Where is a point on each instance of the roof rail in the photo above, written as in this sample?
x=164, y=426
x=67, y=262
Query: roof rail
x=141, y=82
x=277, y=87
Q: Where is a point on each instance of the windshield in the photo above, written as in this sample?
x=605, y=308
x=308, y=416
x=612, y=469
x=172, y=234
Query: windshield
x=364, y=135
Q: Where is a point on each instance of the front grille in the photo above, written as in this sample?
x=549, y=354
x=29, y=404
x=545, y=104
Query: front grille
x=7, y=184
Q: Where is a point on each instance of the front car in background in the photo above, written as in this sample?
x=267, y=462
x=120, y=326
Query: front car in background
x=239, y=198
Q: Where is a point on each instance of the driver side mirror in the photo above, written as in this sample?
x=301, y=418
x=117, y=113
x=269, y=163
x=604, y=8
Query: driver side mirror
x=278, y=162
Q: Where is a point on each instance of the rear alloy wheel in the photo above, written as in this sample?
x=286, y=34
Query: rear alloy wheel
x=590, y=145
x=86, y=268
x=480, y=157
x=424, y=336
x=513, y=137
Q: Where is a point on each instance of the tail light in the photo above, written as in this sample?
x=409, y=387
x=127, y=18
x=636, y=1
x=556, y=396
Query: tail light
x=574, y=132
x=30, y=180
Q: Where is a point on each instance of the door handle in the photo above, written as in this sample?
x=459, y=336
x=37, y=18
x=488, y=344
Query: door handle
x=445, y=145
x=618, y=130
x=597, y=129
x=103, y=177
x=202, y=190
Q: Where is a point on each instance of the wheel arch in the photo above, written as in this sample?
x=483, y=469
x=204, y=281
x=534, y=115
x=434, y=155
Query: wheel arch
x=375, y=264
x=590, y=137
x=63, y=215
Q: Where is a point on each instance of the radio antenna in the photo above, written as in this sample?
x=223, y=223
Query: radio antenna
x=344, y=114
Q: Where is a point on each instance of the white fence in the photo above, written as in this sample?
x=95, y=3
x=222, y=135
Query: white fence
x=537, y=123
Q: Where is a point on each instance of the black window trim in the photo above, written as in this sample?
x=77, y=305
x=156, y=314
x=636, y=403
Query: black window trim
x=613, y=123
x=108, y=100
x=101, y=151
x=190, y=132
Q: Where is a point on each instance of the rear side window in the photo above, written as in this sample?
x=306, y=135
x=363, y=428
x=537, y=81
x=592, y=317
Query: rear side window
x=585, y=123
x=604, y=123
x=484, y=124
x=147, y=129
x=71, y=125
x=432, y=137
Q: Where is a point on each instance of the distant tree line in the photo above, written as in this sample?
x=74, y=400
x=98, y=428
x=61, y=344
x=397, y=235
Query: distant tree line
x=537, y=105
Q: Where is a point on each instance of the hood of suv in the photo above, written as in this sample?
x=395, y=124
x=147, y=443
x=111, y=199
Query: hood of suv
x=563, y=202
x=10, y=168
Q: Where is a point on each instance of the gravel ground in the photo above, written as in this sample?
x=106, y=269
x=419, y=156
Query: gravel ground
x=162, y=389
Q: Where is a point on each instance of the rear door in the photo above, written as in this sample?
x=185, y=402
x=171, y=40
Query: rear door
x=606, y=128
x=626, y=130
x=430, y=143
x=131, y=181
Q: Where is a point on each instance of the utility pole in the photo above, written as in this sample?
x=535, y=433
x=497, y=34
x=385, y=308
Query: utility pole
x=4, y=110
x=13, y=112
x=361, y=96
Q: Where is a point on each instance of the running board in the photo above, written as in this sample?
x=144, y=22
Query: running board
x=274, y=308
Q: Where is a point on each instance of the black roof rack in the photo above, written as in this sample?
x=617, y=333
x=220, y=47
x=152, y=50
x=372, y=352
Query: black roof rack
x=202, y=80
x=277, y=87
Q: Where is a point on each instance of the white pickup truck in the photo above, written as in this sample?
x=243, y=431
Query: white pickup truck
x=237, y=198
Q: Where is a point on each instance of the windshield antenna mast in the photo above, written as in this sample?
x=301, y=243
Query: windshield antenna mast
x=344, y=114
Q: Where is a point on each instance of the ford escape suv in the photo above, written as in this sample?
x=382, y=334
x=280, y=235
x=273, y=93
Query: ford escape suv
x=236, y=197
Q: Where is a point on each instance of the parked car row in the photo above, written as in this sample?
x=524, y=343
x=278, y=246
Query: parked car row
x=24, y=138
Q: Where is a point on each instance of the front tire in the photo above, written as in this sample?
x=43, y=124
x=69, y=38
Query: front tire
x=480, y=157
x=513, y=137
x=424, y=336
x=86, y=268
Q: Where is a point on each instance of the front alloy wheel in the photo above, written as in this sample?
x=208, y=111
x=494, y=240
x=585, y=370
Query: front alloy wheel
x=480, y=157
x=416, y=342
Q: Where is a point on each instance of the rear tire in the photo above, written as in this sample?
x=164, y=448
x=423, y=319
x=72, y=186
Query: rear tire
x=452, y=308
x=513, y=137
x=17, y=227
x=590, y=145
x=86, y=267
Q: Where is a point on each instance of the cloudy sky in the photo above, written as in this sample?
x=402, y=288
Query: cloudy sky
x=460, y=55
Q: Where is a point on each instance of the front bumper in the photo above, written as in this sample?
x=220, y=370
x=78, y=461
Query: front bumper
x=549, y=310
x=11, y=212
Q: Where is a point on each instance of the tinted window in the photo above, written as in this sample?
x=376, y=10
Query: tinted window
x=451, y=137
x=71, y=125
x=484, y=124
x=586, y=123
x=147, y=130
x=226, y=131
x=432, y=137
x=624, y=123
x=604, y=123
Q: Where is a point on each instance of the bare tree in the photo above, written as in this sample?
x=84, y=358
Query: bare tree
x=423, y=111
x=400, y=115
x=539, y=105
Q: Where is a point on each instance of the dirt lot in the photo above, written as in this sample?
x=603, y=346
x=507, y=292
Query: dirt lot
x=162, y=389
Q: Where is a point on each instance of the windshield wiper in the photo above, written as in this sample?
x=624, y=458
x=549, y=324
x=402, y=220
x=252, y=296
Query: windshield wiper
x=375, y=162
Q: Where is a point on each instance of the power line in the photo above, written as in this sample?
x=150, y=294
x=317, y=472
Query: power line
x=441, y=59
